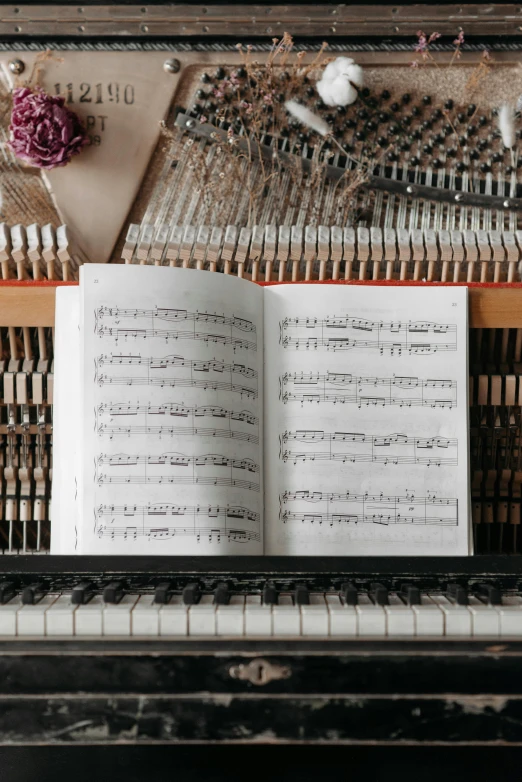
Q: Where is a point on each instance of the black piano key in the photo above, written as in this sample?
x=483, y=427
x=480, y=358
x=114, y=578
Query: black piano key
x=411, y=594
x=163, y=592
x=270, y=596
x=379, y=594
x=491, y=593
x=221, y=595
x=301, y=595
x=191, y=594
x=7, y=591
x=348, y=594
x=33, y=593
x=458, y=594
x=113, y=592
x=81, y=593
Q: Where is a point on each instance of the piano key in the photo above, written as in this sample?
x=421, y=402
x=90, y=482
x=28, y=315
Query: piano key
x=33, y=593
x=458, y=594
x=286, y=617
x=301, y=595
x=117, y=616
x=88, y=619
x=145, y=616
x=163, y=592
x=371, y=619
x=81, y=593
x=221, y=595
x=230, y=618
x=314, y=616
x=485, y=619
x=457, y=618
x=191, y=594
x=173, y=617
x=490, y=593
x=379, y=594
x=400, y=619
x=258, y=616
x=510, y=617
x=31, y=617
x=411, y=594
x=269, y=594
x=429, y=619
x=342, y=617
x=7, y=591
x=202, y=617
x=59, y=617
x=8, y=616
x=113, y=592
x=349, y=594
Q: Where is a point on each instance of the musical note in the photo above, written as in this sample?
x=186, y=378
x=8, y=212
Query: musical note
x=381, y=509
x=395, y=337
x=351, y=447
x=176, y=315
x=344, y=388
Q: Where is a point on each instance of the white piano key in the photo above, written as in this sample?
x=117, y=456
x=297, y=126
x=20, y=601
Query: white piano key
x=457, y=619
x=343, y=618
x=314, y=617
x=230, y=618
x=485, y=619
x=59, y=618
x=258, y=619
x=145, y=616
x=8, y=616
x=202, y=617
x=117, y=616
x=429, y=619
x=400, y=619
x=173, y=617
x=371, y=619
x=286, y=617
x=31, y=618
x=510, y=617
x=88, y=619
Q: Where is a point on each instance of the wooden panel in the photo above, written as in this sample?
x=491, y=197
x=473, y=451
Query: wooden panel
x=34, y=306
x=27, y=306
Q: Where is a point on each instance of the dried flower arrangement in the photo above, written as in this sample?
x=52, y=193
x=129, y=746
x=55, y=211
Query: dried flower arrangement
x=264, y=103
x=43, y=131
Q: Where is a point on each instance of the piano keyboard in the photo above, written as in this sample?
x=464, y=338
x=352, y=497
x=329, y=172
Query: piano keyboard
x=347, y=614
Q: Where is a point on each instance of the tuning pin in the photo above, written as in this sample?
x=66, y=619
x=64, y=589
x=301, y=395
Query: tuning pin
x=385, y=95
x=449, y=104
x=426, y=100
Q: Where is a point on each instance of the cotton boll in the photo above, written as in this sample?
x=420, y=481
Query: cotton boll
x=338, y=92
x=335, y=86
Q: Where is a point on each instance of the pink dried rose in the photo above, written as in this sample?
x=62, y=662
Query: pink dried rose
x=43, y=131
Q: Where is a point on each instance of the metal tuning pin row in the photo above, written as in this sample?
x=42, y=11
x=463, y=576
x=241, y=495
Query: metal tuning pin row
x=37, y=252
x=330, y=252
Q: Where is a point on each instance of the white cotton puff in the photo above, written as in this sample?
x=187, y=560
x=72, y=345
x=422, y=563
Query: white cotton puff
x=334, y=87
x=506, y=124
x=307, y=117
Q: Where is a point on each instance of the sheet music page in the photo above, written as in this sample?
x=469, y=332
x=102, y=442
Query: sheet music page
x=173, y=400
x=366, y=420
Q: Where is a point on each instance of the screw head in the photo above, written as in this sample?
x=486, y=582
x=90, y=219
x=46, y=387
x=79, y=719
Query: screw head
x=190, y=123
x=409, y=189
x=458, y=197
x=172, y=66
x=506, y=204
x=16, y=66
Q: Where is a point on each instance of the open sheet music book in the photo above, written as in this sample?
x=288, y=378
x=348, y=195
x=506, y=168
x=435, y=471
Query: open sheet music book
x=199, y=413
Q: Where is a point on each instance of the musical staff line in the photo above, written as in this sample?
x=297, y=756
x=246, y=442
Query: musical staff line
x=345, y=388
x=146, y=475
x=176, y=315
x=416, y=338
x=383, y=449
x=163, y=362
x=177, y=382
x=367, y=508
x=168, y=334
x=212, y=520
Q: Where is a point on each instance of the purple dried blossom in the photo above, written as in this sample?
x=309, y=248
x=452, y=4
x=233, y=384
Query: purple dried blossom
x=414, y=64
x=43, y=131
x=434, y=37
x=459, y=40
x=422, y=43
